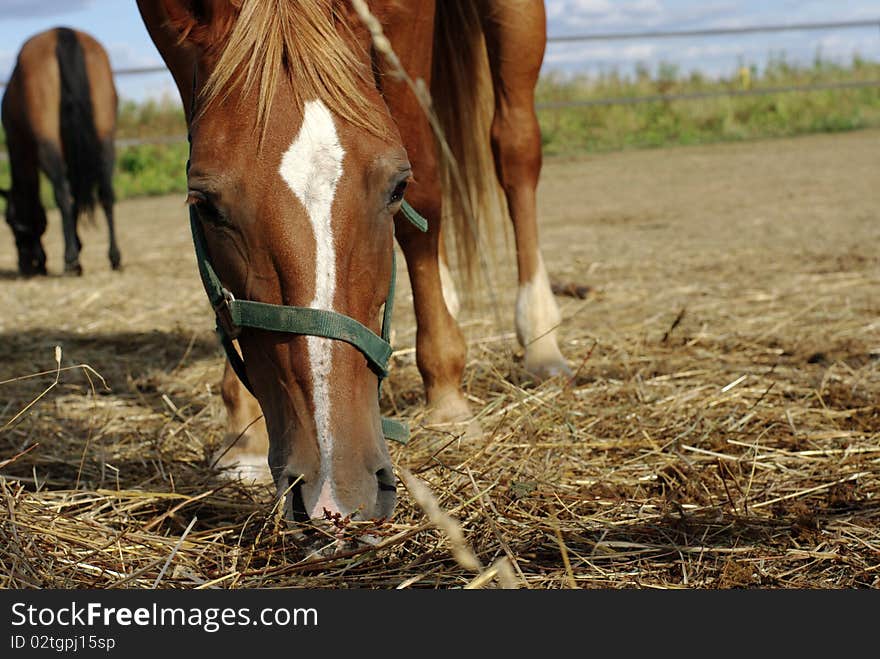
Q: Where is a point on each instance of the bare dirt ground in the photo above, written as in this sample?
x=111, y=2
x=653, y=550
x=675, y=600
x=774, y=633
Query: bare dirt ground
x=723, y=429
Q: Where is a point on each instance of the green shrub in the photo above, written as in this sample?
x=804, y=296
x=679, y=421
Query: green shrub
x=603, y=128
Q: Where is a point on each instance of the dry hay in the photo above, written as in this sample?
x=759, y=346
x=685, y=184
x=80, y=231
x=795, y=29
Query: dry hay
x=696, y=461
x=721, y=431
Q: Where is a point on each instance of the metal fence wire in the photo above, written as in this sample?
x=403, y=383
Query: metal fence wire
x=720, y=93
x=714, y=32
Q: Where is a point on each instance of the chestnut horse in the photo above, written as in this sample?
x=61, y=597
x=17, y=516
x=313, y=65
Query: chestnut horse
x=59, y=115
x=303, y=142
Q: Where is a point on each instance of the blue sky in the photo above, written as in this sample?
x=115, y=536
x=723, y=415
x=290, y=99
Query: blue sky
x=117, y=24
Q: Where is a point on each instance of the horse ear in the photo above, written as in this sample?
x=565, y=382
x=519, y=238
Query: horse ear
x=203, y=23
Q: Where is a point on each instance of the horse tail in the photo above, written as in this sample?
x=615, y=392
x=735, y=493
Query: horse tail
x=79, y=137
x=464, y=101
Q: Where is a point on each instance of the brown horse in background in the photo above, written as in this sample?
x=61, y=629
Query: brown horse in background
x=59, y=116
x=304, y=141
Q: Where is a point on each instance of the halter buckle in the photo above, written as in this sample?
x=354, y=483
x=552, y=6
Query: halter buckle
x=223, y=312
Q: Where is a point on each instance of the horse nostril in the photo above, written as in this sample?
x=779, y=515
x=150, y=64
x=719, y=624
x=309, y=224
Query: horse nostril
x=386, y=498
x=297, y=505
x=386, y=480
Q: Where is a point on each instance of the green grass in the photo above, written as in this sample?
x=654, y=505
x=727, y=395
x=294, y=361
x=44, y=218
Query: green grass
x=153, y=118
x=152, y=169
x=159, y=169
x=569, y=131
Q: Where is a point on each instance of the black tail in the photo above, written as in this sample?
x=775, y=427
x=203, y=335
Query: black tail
x=79, y=138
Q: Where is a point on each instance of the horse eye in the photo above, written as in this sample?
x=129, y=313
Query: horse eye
x=397, y=195
x=206, y=209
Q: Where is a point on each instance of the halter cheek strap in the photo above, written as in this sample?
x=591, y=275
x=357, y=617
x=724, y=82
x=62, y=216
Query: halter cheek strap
x=232, y=315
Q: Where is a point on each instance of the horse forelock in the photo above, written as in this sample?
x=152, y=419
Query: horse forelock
x=311, y=42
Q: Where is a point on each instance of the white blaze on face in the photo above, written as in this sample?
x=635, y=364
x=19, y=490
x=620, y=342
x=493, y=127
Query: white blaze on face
x=312, y=167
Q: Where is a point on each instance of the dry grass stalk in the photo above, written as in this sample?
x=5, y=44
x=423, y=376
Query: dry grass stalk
x=423, y=496
x=653, y=470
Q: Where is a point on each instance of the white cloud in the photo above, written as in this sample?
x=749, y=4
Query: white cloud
x=568, y=14
x=158, y=86
x=124, y=55
x=712, y=55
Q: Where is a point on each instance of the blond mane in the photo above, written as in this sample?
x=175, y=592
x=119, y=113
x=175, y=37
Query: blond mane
x=311, y=42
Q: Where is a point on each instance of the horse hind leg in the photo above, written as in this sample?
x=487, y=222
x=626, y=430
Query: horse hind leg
x=108, y=199
x=52, y=163
x=515, y=58
x=516, y=142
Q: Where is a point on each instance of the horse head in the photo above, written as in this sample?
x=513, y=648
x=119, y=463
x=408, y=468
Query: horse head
x=296, y=172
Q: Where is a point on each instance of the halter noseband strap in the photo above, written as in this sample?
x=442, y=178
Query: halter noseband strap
x=232, y=315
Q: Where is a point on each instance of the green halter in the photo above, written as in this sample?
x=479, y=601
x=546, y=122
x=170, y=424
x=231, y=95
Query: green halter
x=232, y=314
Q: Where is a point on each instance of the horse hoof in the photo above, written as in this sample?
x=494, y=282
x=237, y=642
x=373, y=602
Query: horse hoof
x=451, y=415
x=246, y=467
x=543, y=361
x=545, y=370
x=73, y=270
x=448, y=408
x=116, y=266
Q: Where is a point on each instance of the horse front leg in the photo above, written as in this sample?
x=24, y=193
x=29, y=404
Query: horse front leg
x=108, y=199
x=440, y=346
x=25, y=213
